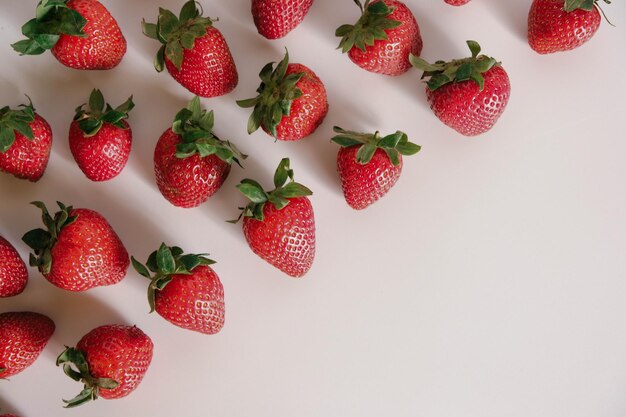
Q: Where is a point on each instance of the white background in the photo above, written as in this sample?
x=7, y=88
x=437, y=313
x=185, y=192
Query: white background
x=490, y=282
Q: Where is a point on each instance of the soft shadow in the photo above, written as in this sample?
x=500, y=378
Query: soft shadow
x=514, y=13
x=5, y=406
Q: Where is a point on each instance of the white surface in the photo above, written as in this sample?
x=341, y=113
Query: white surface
x=490, y=282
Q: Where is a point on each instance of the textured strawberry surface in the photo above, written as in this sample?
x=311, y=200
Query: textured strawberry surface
x=276, y=18
x=103, y=48
x=119, y=352
x=13, y=272
x=364, y=184
x=391, y=56
x=551, y=29
x=28, y=159
x=457, y=2
x=208, y=69
x=23, y=335
x=186, y=182
x=286, y=237
x=104, y=155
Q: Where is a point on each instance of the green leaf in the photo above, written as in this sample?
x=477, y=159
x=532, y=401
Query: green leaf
x=46, y=41
x=474, y=48
x=106, y=383
x=204, y=149
x=187, y=40
x=151, y=263
x=86, y=395
x=174, y=52
x=149, y=29
x=28, y=47
x=294, y=189
x=37, y=239
x=188, y=11
x=365, y=153
x=250, y=102
x=159, y=59
x=345, y=141
x=140, y=268
x=7, y=138
x=393, y=155
x=23, y=127
x=165, y=260
x=378, y=8
x=478, y=79
x=255, y=193
x=282, y=173
x=90, y=126
x=126, y=106
x=278, y=201
x=167, y=22
x=408, y=148
x=390, y=141
x=438, y=80
x=96, y=101
x=464, y=72
x=571, y=5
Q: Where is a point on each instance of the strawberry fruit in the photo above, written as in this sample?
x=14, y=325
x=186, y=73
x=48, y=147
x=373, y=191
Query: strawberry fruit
x=276, y=18
x=468, y=94
x=291, y=104
x=194, y=51
x=100, y=138
x=81, y=34
x=382, y=38
x=78, y=251
x=369, y=165
x=457, y=2
x=279, y=225
x=13, y=272
x=110, y=361
x=184, y=289
x=23, y=335
x=25, y=142
x=190, y=162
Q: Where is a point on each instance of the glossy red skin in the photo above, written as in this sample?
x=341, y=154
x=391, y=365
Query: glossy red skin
x=103, y=48
x=193, y=301
x=308, y=111
x=391, y=56
x=466, y=109
x=208, y=69
x=23, y=335
x=103, y=156
x=122, y=353
x=87, y=254
x=274, y=19
x=186, y=182
x=13, y=272
x=28, y=159
x=457, y=2
x=286, y=237
x=364, y=184
x=551, y=29
x=8, y=415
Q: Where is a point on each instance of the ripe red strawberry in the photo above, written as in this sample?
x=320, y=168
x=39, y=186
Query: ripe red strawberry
x=194, y=51
x=382, y=38
x=561, y=25
x=81, y=34
x=8, y=415
x=279, y=225
x=457, y=2
x=276, y=18
x=13, y=272
x=25, y=142
x=100, y=139
x=23, y=335
x=184, y=289
x=190, y=162
x=110, y=361
x=468, y=94
x=78, y=251
x=291, y=103
x=369, y=165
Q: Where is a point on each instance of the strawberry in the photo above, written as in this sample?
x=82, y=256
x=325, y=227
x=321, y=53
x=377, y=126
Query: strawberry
x=100, y=139
x=382, y=38
x=561, y=25
x=110, y=361
x=276, y=18
x=79, y=251
x=194, y=52
x=279, y=225
x=23, y=335
x=8, y=415
x=190, y=162
x=81, y=34
x=457, y=2
x=291, y=103
x=25, y=142
x=468, y=94
x=184, y=289
x=13, y=272
x=369, y=165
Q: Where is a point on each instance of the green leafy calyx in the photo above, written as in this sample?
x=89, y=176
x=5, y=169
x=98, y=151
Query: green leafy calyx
x=285, y=189
x=370, y=27
x=394, y=145
x=176, y=33
x=43, y=240
x=90, y=120
x=165, y=262
x=53, y=19
x=441, y=73
x=75, y=366
x=17, y=120
x=588, y=5
x=276, y=94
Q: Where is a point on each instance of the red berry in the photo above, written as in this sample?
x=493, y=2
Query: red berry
x=13, y=272
x=276, y=18
x=457, y=2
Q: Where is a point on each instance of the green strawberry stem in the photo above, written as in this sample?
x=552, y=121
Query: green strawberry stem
x=394, y=144
x=91, y=120
x=441, y=73
x=53, y=19
x=12, y=121
x=75, y=366
x=276, y=94
x=41, y=240
x=165, y=262
x=370, y=27
x=588, y=5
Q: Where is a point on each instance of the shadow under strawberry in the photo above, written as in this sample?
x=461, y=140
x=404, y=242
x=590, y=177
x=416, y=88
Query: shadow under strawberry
x=513, y=13
x=7, y=407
